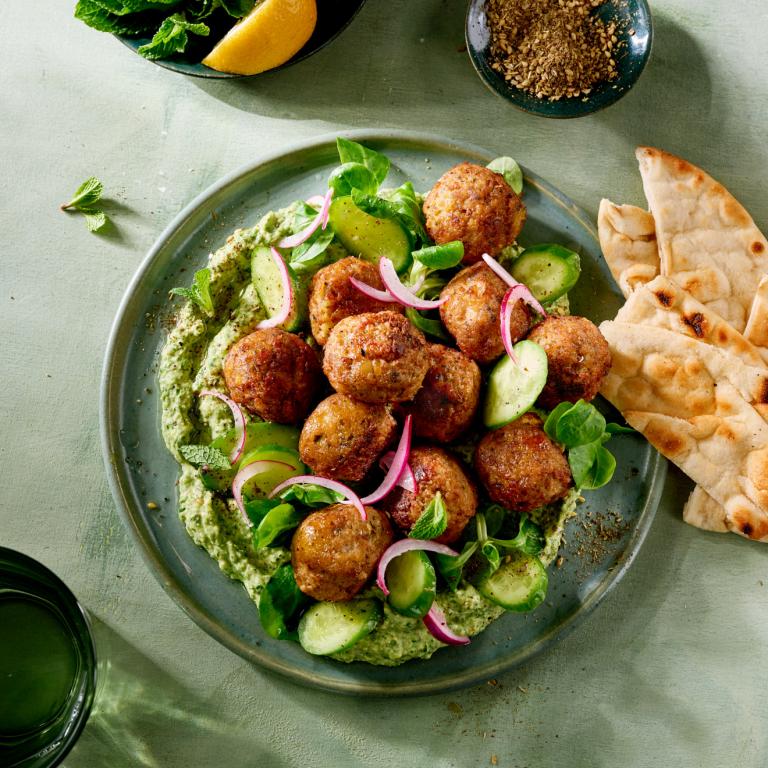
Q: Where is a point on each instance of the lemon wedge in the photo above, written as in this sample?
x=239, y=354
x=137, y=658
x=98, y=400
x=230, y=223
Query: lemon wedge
x=273, y=32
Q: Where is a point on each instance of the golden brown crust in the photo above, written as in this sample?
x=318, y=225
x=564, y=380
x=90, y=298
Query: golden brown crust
x=520, y=467
x=470, y=313
x=332, y=297
x=475, y=205
x=435, y=470
x=376, y=357
x=342, y=437
x=274, y=374
x=334, y=552
x=446, y=403
x=579, y=359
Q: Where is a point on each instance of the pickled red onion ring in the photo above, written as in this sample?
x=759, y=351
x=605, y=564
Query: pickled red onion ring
x=401, y=292
x=245, y=474
x=400, y=548
x=239, y=417
x=324, y=482
x=399, y=462
x=373, y=293
x=407, y=480
x=438, y=627
x=321, y=220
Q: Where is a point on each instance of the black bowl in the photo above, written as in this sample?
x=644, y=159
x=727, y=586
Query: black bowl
x=333, y=17
x=631, y=14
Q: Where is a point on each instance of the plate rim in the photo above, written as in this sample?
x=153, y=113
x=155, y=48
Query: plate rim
x=109, y=427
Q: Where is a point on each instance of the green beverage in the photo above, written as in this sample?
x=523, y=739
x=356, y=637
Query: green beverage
x=47, y=665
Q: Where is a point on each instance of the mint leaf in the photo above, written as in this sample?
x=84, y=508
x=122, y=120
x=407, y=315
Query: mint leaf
x=205, y=456
x=237, y=8
x=86, y=195
x=172, y=37
x=510, y=170
x=199, y=292
x=94, y=219
x=433, y=520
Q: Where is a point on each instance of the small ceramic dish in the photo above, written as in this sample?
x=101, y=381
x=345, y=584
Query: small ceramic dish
x=635, y=34
x=332, y=19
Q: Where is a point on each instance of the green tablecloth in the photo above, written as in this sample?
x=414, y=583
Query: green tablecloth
x=670, y=670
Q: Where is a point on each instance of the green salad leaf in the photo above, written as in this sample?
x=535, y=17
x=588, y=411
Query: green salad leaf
x=375, y=206
x=442, y=256
x=352, y=176
x=311, y=495
x=432, y=521
x=199, y=292
x=237, y=8
x=205, y=456
x=430, y=326
x=582, y=429
x=172, y=37
x=257, y=509
x=451, y=568
x=510, y=170
x=280, y=602
x=278, y=520
x=375, y=162
x=311, y=255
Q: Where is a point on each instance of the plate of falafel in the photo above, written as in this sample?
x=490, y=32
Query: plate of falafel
x=351, y=412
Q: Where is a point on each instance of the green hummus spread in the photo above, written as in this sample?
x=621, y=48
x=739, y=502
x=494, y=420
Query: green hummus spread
x=192, y=360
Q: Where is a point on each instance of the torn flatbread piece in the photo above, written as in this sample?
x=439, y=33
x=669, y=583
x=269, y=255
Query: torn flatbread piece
x=707, y=241
x=628, y=240
x=702, y=511
x=757, y=325
x=700, y=406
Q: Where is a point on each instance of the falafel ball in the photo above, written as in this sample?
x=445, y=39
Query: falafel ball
x=446, y=403
x=470, y=313
x=520, y=467
x=376, y=357
x=332, y=297
x=334, y=552
x=274, y=374
x=475, y=205
x=342, y=437
x=578, y=355
x=435, y=470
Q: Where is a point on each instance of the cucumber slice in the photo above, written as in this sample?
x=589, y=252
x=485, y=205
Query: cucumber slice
x=412, y=584
x=518, y=585
x=257, y=433
x=268, y=282
x=549, y=270
x=261, y=485
x=328, y=628
x=369, y=238
x=514, y=387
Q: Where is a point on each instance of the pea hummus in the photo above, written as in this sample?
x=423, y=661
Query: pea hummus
x=192, y=359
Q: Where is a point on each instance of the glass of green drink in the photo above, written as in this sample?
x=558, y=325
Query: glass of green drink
x=47, y=664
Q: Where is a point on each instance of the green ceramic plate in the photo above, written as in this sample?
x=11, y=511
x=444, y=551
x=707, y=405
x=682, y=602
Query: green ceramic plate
x=141, y=470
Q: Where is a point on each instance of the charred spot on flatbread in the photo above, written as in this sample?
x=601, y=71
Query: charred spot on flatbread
x=664, y=298
x=697, y=323
x=757, y=247
x=762, y=394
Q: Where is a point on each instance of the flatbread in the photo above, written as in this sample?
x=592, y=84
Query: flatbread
x=628, y=241
x=702, y=511
x=699, y=405
x=662, y=303
x=707, y=241
x=757, y=325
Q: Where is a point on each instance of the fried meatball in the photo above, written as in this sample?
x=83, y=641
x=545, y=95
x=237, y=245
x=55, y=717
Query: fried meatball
x=334, y=552
x=475, y=205
x=274, y=374
x=520, y=467
x=471, y=313
x=342, y=437
x=578, y=355
x=332, y=297
x=446, y=403
x=435, y=470
x=376, y=357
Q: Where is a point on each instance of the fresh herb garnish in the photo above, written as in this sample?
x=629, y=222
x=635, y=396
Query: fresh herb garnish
x=279, y=604
x=510, y=170
x=199, y=292
x=311, y=495
x=278, y=520
x=172, y=37
x=375, y=162
x=84, y=200
x=442, y=256
x=582, y=429
x=205, y=456
x=352, y=176
x=432, y=521
x=311, y=255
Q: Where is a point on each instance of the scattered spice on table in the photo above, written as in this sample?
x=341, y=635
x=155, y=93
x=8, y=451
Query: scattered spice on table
x=552, y=49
